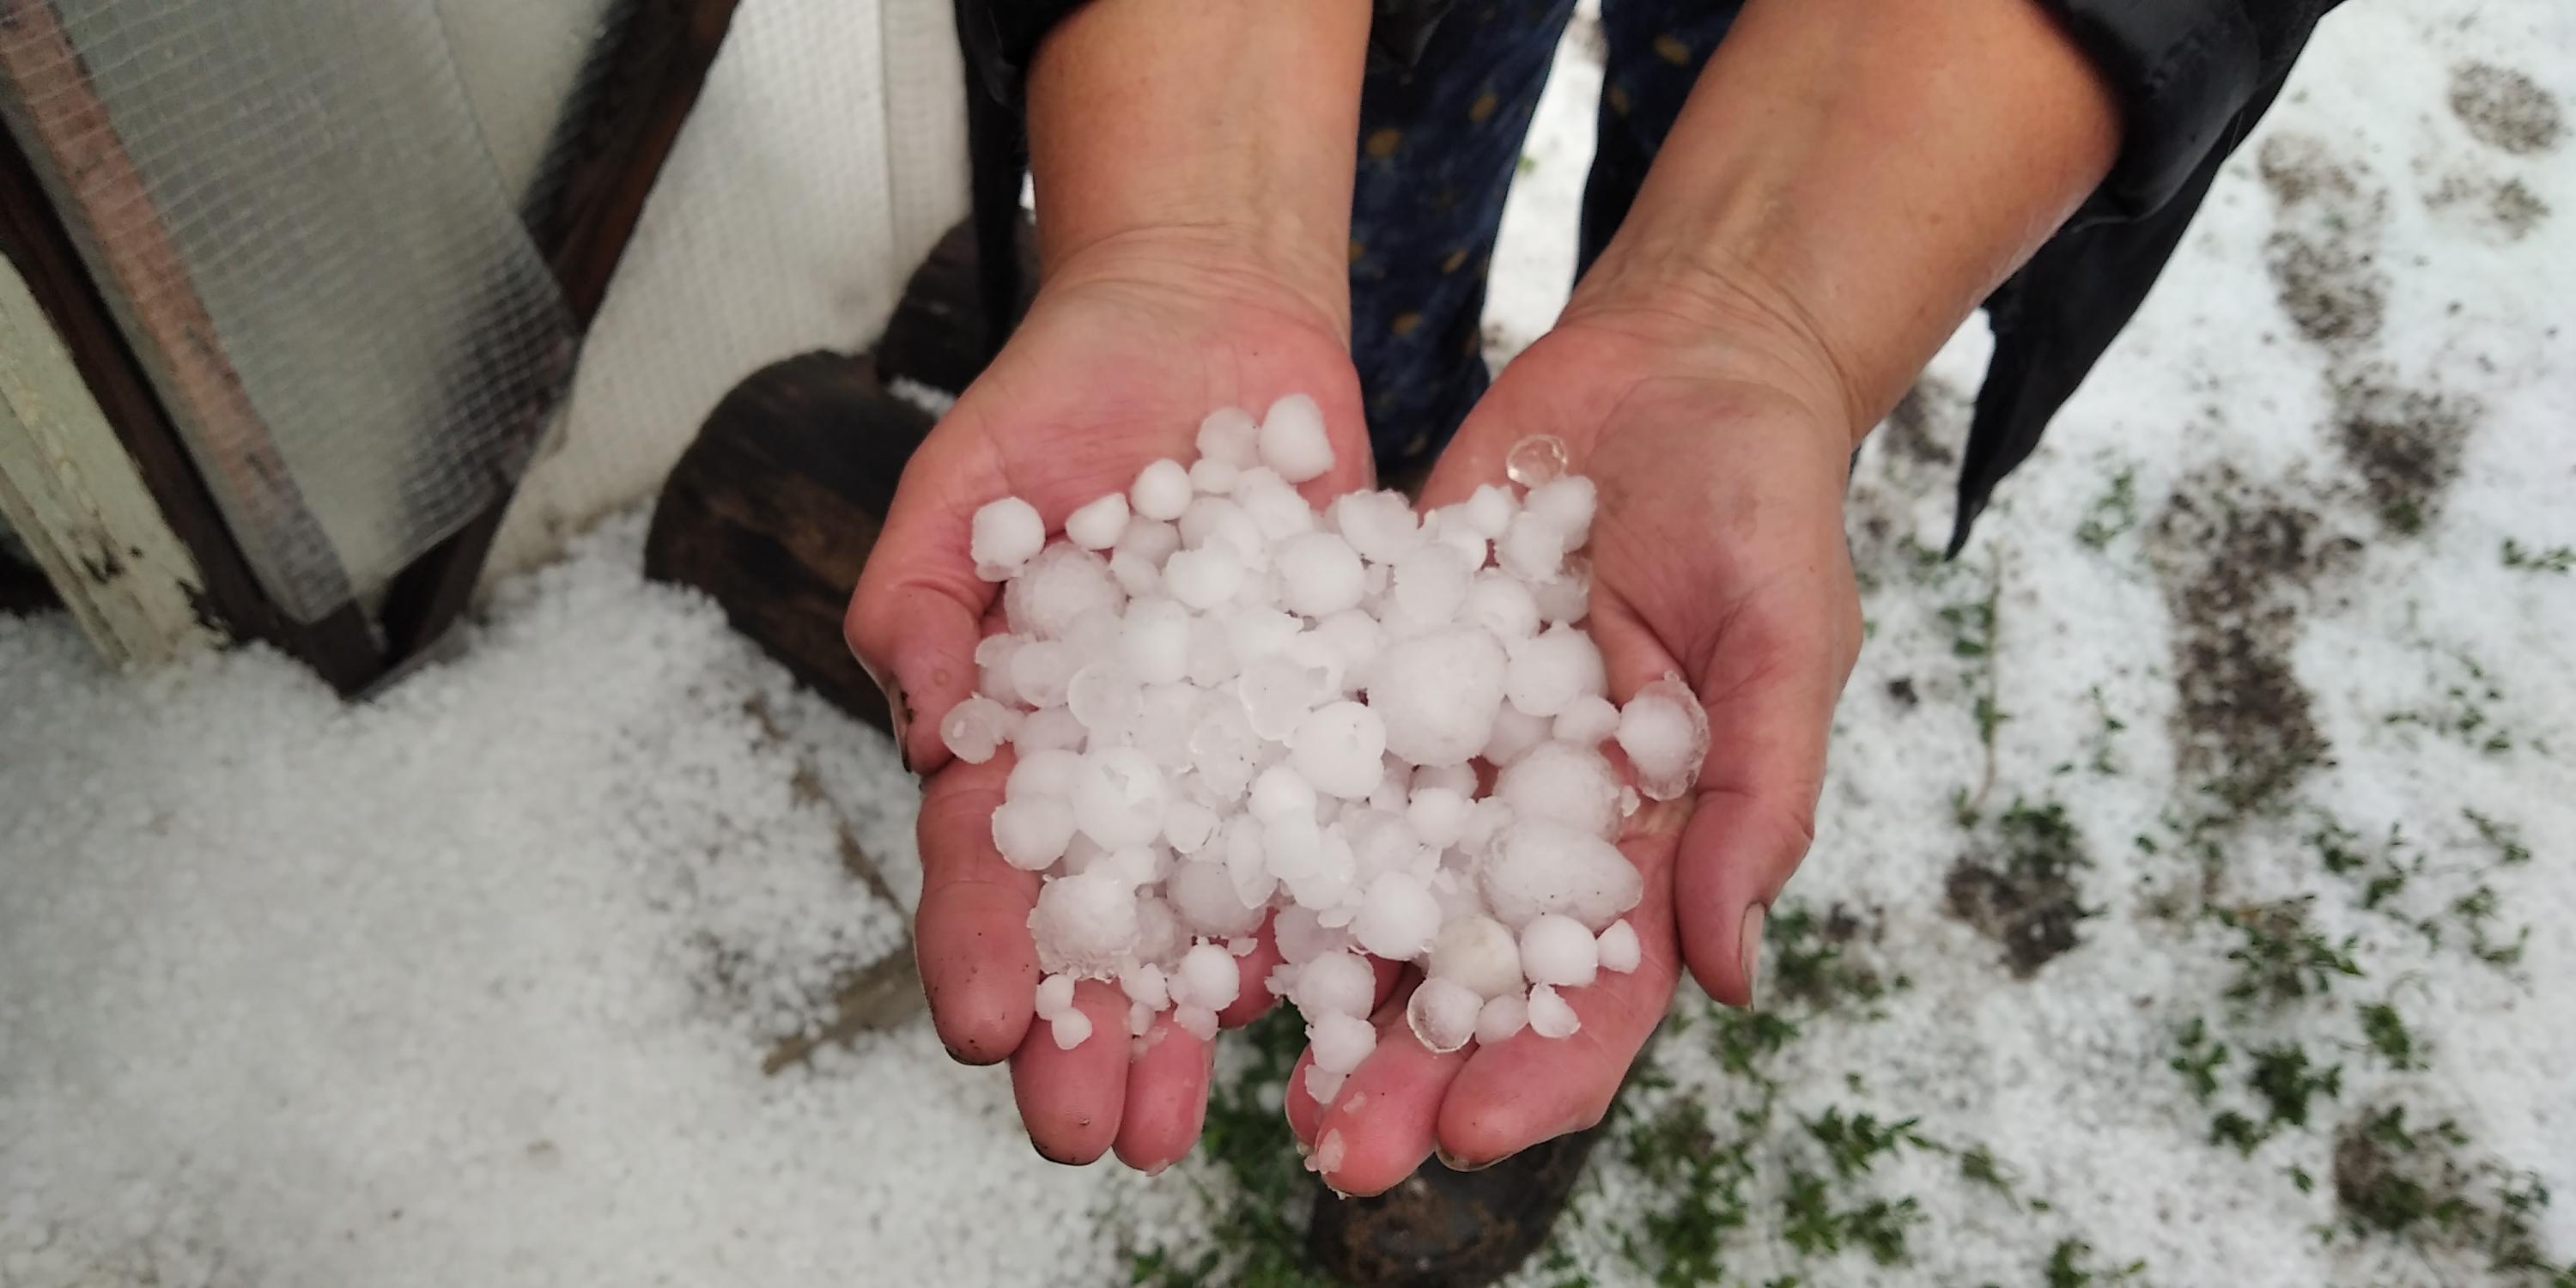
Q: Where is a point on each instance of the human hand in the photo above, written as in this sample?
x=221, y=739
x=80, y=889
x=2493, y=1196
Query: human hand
x=1128, y=346
x=1719, y=441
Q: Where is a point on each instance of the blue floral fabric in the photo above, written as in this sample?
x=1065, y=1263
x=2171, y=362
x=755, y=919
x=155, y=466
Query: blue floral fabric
x=1439, y=143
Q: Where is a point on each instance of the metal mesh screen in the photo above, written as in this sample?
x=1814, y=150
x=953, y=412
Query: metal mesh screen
x=291, y=209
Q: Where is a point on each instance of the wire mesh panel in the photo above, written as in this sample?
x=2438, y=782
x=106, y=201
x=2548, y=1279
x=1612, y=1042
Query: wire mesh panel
x=291, y=209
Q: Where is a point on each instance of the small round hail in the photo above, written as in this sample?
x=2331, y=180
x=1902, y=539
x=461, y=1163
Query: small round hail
x=1215, y=704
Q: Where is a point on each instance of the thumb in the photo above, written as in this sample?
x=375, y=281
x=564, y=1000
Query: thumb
x=1769, y=694
x=918, y=611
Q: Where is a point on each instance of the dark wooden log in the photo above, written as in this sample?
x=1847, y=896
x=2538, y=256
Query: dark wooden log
x=938, y=334
x=772, y=511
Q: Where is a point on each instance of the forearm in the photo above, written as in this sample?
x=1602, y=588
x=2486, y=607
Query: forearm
x=1226, y=123
x=1854, y=178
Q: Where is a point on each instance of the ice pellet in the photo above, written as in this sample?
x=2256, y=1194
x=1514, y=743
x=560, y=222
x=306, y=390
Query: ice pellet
x=1443, y=1014
x=1397, y=918
x=1205, y=577
x=1535, y=461
x=1003, y=536
x=1197, y=1021
x=1055, y=996
x=1587, y=721
x=1539, y=866
x=1502, y=605
x=1338, y=748
x=1477, y=953
x=1550, y=1016
x=1162, y=490
x=1557, y=949
x=1664, y=730
x=1293, y=441
x=1549, y=671
x=1335, y=983
x=1319, y=574
x=1032, y=831
x=1070, y=1029
x=1502, y=1017
x=1567, y=504
x=1438, y=693
x=1340, y=1041
x=1566, y=782
x=1213, y=478
x=976, y=728
x=1229, y=436
x=1119, y=797
x=1211, y=975
x=1620, y=952
x=1098, y=526
x=1084, y=924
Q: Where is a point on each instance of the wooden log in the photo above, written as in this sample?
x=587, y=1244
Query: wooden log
x=772, y=511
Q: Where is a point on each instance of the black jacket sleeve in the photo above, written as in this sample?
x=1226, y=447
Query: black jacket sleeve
x=2192, y=78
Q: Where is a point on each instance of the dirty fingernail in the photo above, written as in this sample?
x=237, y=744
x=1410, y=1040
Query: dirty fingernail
x=895, y=711
x=1749, y=945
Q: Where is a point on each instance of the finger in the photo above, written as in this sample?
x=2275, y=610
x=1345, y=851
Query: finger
x=1525, y=1089
x=1770, y=696
x=1252, y=996
x=1072, y=1100
x=1303, y=1112
x=1167, y=1091
x=1385, y=1120
x=914, y=618
x=971, y=928
x=1305, y=1117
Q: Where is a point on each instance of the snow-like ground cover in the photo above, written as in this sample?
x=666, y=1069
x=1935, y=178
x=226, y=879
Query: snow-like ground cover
x=2212, y=809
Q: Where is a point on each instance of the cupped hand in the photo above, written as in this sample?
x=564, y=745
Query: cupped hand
x=1128, y=346
x=1720, y=446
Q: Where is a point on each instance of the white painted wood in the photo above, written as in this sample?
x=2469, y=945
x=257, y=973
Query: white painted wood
x=74, y=497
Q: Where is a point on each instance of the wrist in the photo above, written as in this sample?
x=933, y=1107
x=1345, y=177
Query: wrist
x=1224, y=264
x=1179, y=136
x=1708, y=317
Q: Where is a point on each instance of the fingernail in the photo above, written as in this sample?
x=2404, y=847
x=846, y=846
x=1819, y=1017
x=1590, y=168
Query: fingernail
x=898, y=714
x=1749, y=946
x=1457, y=1164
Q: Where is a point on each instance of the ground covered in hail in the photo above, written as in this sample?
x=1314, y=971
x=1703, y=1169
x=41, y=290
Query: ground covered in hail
x=2192, y=896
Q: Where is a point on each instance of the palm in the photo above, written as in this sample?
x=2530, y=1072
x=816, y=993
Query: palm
x=1717, y=554
x=1109, y=373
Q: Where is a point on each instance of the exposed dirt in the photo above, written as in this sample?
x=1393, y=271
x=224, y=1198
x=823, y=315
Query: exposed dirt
x=2405, y=444
x=2505, y=109
x=1931, y=417
x=2019, y=889
x=2509, y=209
x=2324, y=258
x=2032, y=915
x=2236, y=561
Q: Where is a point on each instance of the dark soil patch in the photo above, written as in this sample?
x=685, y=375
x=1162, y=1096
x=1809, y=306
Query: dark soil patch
x=2237, y=561
x=2505, y=109
x=2406, y=446
x=1932, y=415
x=2510, y=208
x=2517, y=209
x=2020, y=890
x=2332, y=292
x=2324, y=259
x=2296, y=167
x=2034, y=920
x=1901, y=691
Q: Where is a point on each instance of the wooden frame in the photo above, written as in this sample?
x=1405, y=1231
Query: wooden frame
x=644, y=82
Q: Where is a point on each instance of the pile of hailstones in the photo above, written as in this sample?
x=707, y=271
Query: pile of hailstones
x=1225, y=703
